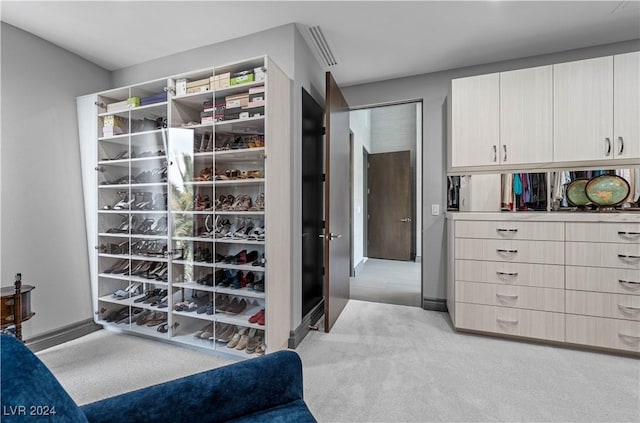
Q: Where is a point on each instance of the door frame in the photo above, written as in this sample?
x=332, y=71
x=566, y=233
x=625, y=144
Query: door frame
x=419, y=208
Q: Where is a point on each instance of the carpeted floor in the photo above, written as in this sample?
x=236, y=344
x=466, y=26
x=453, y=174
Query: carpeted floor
x=388, y=281
x=389, y=363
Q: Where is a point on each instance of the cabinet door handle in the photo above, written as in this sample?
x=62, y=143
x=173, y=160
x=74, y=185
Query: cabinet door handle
x=504, y=148
x=632, y=235
x=608, y=144
x=621, y=145
x=507, y=274
x=511, y=297
x=506, y=230
x=628, y=308
x=508, y=322
x=629, y=284
x=509, y=251
x=495, y=153
x=626, y=257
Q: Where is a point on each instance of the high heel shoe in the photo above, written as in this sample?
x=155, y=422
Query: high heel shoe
x=121, y=203
x=160, y=227
x=125, y=226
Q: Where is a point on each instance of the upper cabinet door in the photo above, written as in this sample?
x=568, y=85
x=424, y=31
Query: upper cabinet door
x=526, y=116
x=583, y=110
x=626, y=109
x=475, y=118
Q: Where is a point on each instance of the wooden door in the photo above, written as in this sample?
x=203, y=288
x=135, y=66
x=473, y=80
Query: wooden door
x=583, y=110
x=337, y=184
x=475, y=118
x=626, y=125
x=526, y=116
x=389, y=206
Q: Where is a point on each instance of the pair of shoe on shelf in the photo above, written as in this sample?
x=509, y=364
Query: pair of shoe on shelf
x=235, y=174
x=250, y=339
x=151, y=318
x=134, y=288
x=258, y=318
x=241, y=257
x=224, y=304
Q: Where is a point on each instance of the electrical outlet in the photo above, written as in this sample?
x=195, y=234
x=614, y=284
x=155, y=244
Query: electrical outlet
x=435, y=209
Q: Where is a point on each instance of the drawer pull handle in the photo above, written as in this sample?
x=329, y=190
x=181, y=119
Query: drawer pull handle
x=506, y=230
x=509, y=251
x=629, y=234
x=507, y=274
x=511, y=297
x=627, y=257
x=507, y=322
x=628, y=308
x=634, y=285
x=633, y=337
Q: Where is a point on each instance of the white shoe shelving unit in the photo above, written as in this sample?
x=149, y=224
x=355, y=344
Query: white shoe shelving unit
x=166, y=182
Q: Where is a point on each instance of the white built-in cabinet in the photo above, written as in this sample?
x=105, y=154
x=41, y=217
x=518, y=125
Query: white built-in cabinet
x=189, y=207
x=583, y=110
x=580, y=112
x=626, y=106
x=565, y=278
x=526, y=116
x=476, y=127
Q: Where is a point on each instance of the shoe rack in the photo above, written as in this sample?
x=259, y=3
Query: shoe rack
x=193, y=227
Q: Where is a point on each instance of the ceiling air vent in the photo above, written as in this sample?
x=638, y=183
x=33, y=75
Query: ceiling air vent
x=322, y=45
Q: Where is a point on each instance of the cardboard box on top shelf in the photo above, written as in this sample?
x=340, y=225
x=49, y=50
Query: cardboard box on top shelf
x=259, y=74
x=223, y=80
x=238, y=100
x=133, y=101
x=117, y=106
x=243, y=77
x=199, y=86
x=181, y=86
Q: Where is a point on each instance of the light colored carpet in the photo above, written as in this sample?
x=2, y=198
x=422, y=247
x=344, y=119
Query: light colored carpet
x=103, y=364
x=388, y=363
x=388, y=281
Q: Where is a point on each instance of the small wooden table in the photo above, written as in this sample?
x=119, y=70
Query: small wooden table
x=15, y=298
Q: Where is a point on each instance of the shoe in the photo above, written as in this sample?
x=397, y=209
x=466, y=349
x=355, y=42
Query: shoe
x=244, y=339
x=257, y=316
x=236, y=338
x=222, y=302
x=236, y=307
x=254, y=342
x=226, y=334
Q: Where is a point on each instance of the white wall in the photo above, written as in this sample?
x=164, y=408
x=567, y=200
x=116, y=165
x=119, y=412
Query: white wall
x=43, y=228
x=360, y=121
x=433, y=89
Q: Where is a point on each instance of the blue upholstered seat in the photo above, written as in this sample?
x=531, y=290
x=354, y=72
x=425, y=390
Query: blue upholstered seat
x=264, y=389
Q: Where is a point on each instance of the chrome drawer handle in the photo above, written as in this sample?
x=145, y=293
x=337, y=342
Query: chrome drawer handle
x=506, y=230
x=634, y=285
x=511, y=297
x=626, y=257
x=628, y=308
x=507, y=274
x=507, y=322
x=629, y=234
x=509, y=251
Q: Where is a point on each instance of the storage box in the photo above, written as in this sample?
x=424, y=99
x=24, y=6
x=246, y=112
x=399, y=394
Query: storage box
x=206, y=117
x=242, y=77
x=259, y=74
x=224, y=80
x=256, y=103
x=244, y=115
x=181, y=86
x=118, y=106
x=133, y=101
x=199, y=86
x=110, y=121
x=154, y=98
x=238, y=100
x=232, y=113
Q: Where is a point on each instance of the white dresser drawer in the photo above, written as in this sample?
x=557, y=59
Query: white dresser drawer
x=600, y=254
x=544, y=252
x=524, y=274
x=512, y=321
x=531, y=298
x=603, y=232
x=491, y=229
x=599, y=304
x=602, y=332
x=603, y=279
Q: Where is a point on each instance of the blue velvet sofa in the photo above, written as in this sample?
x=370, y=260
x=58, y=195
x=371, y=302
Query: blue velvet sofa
x=264, y=389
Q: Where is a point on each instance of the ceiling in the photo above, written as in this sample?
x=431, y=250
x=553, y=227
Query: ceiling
x=371, y=40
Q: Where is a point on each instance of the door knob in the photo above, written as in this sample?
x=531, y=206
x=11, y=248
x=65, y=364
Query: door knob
x=406, y=220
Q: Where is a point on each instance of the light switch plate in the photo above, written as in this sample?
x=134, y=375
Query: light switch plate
x=435, y=209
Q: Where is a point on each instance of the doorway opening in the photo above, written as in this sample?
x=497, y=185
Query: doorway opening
x=386, y=195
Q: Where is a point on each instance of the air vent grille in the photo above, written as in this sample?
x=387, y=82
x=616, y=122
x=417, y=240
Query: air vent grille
x=323, y=46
